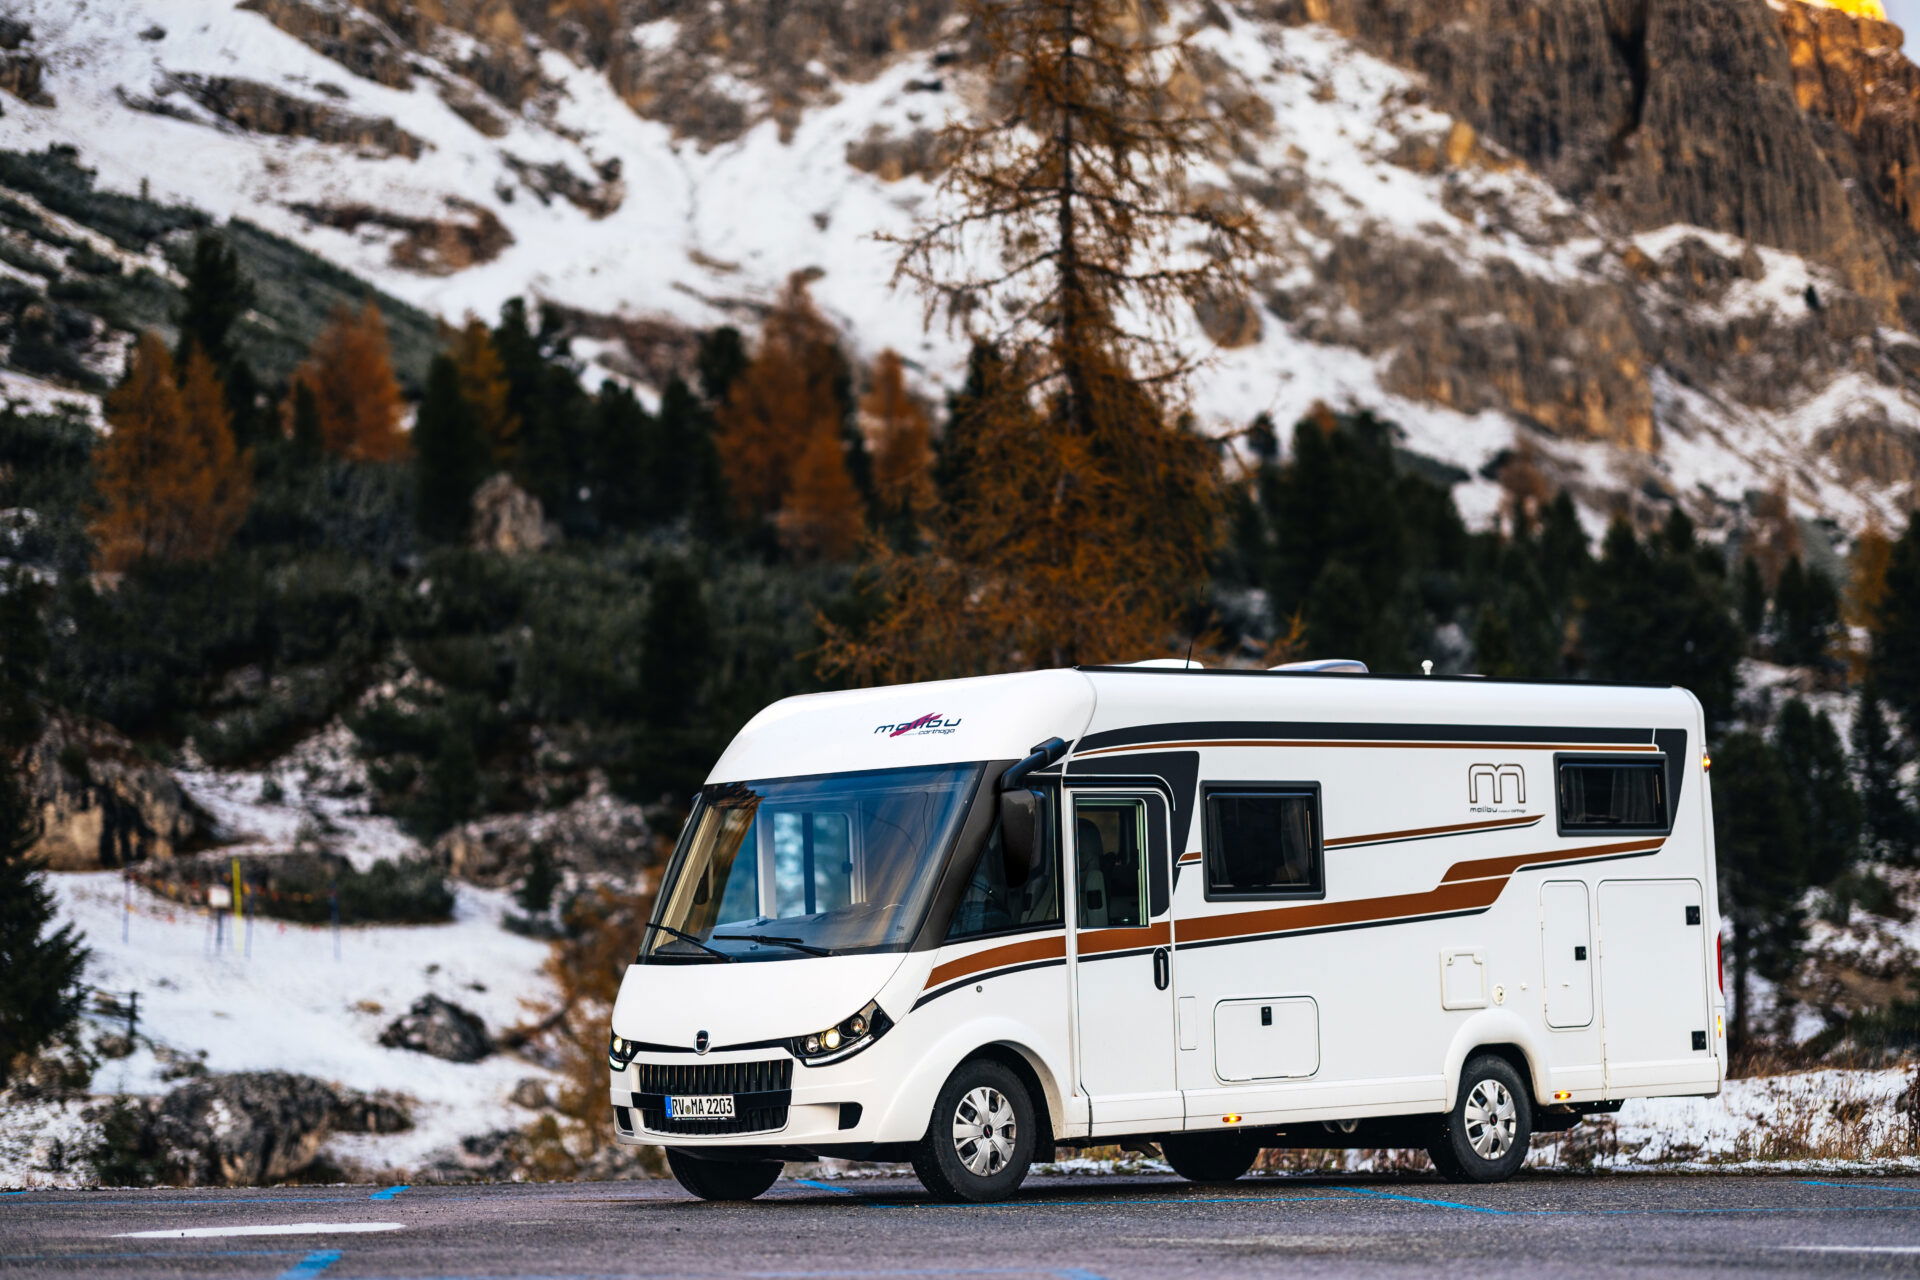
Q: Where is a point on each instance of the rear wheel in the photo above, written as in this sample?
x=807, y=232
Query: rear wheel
x=722, y=1179
x=1484, y=1138
x=980, y=1140
x=1209, y=1157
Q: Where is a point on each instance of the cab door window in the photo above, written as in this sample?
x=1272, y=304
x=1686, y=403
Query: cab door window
x=1110, y=861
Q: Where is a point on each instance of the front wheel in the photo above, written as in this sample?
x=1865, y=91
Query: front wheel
x=1484, y=1138
x=1209, y=1157
x=722, y=1179
x=980, y=1140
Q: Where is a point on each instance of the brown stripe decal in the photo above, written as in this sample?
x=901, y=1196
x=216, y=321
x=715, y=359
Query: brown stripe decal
x=1423, y=833
x=1484, y=868
x=1093, y=942
x=1318, y=743
x=1026, y=951
x=1190, y=856
x=1466, y=888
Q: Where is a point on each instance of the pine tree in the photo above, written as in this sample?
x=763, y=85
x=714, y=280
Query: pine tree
x=1753, y=597
x=1822, y=788
x=722, y=358
x=41, y=993
x=1889, y=832
x=535, y=895
x=216, y=294
x=1654, y=613
x=1895, y=665
x=303, y=426
x=451, y=456
x=350, y=374
x=1808, y=610
x=675, y=647
x=171, y=484
x=1761, y=852
x=627, y=461
x=902, y=454
x=687, y=479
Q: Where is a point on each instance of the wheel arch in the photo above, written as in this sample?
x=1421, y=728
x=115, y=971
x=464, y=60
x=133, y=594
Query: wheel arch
x=1025, y=1064
x=1504, y=1035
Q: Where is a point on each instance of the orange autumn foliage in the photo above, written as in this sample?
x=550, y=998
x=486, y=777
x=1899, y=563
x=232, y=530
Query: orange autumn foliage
x=898, y=433
x=350, y=373
x=172, y=484
x=779, y=433
x=483, y=385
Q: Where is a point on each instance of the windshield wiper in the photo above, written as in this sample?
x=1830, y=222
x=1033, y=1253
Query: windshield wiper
x=687, y=937
x=795, y=943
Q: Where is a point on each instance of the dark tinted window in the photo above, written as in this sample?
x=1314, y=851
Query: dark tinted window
x=1264, y=843
x=989, y=906
x=1610, y=795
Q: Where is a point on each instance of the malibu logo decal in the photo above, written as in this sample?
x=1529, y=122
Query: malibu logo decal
x=932, y=722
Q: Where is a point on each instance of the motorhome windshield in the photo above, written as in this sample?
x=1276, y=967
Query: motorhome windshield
x=791, y=867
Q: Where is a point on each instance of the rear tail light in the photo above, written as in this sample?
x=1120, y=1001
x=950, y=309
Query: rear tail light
x=1720, y=963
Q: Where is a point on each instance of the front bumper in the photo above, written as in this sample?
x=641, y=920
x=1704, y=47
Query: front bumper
x=779, y=1101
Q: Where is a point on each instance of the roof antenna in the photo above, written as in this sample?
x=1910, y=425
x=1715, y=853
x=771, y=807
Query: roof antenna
x=1426, y=666
x=1189, y=658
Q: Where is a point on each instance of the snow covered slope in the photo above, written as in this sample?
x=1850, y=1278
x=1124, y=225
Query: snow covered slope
x=1426, y=272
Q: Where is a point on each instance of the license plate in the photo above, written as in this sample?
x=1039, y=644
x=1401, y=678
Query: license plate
x=712, y=1106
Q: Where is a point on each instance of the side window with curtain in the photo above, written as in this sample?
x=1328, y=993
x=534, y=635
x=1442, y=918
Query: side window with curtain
x=1612, y=795
x=991, y=906
x=1263, y=841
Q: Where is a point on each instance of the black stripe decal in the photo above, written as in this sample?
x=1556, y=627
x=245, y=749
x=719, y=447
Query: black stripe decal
x=1288, y=730
x=982, y=976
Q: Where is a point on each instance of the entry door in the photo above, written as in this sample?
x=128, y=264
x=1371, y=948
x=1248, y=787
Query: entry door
x=1653, y=982
x=1566, y=952
x=1123, y=961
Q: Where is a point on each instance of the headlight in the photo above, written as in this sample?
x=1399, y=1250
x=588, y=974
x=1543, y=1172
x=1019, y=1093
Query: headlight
x=842, y=1040
x=620, y=1052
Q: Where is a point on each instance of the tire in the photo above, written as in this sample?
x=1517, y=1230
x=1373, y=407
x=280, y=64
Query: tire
x=722, y=1179
x=1209, y=1157
x=959, y=1161
x=1484, y=1138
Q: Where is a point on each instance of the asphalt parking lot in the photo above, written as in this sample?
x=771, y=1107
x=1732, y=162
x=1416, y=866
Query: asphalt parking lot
x=1080, y=1228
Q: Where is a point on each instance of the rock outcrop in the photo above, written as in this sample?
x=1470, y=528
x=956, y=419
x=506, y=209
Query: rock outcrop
x=509, y=520
x=598, y=833
x=100, y=803
x=258, y=1126
x=262, y=108
x=440, y=1029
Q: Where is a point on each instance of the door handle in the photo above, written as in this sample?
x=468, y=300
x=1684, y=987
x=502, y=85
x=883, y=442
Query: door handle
x=1162, y=969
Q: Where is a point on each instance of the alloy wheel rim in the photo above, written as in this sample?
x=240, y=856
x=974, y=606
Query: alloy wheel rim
x=984, y=1131
x=1491, y=1119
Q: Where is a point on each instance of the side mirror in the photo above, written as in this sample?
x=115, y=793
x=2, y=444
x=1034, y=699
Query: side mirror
x=1019, y=834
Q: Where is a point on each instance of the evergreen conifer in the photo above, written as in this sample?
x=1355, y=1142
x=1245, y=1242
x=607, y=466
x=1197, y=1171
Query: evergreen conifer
x=1822, y=788
x=1888, y=828
x=1761, y=851
x=1895, y=665
x=451, y=456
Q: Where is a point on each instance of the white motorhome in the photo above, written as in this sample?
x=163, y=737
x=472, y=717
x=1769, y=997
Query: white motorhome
x=1216, y=910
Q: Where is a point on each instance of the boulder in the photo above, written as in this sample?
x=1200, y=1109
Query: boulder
x=102, y=804
x=532, y=1094
x=508, y=519
x=243, y=1129
x=440, y=1029
x=599, y=832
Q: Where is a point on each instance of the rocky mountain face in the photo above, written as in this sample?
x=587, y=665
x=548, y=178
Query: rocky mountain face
x=1665, y=248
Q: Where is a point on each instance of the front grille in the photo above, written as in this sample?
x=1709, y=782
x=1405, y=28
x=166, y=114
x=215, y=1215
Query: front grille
x=715, y=1077
x=761, y=1091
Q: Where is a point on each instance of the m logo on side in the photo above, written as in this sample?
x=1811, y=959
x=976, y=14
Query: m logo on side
x=1496, y=784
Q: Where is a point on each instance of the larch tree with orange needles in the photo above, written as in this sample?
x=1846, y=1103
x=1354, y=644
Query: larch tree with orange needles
x=171, y=483
x=484, y=386
x=1073, y=243
x=778, y=411
x=900, y=438
x=349, y=372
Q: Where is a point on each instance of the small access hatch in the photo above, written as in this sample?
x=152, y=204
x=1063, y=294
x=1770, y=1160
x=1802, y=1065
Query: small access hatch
x=1266, y=1038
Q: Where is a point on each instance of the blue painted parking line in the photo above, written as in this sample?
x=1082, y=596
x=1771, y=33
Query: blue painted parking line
x=389, y=1193
x=1438, y=1204
x=12, y=1193
x=311, y=1265
x=1861, y=1186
